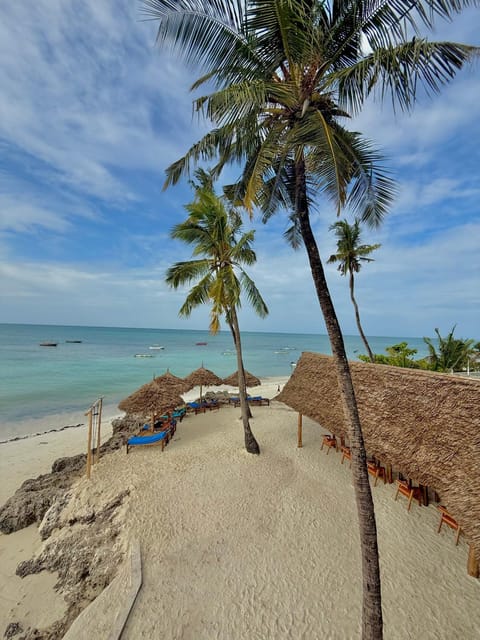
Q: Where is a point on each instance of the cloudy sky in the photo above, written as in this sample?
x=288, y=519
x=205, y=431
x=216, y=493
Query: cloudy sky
x=91, y=114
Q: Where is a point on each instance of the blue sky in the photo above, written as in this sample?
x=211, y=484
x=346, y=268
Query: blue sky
x=91, y=114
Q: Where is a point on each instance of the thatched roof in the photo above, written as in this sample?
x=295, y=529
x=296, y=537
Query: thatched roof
x=250, y=379
x=171, y=382
x=425, y=424
x=150, y=399
x=203, y=377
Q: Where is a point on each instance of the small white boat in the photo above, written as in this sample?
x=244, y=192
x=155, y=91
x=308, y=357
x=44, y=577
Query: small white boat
x=156, y=346
x=143, y=355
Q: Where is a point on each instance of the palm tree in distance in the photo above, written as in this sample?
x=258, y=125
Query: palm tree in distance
x=285, y=76
x=214, y=232
x=350, y=255
x=452, y=353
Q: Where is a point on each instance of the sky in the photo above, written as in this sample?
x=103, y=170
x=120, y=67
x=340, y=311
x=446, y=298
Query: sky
x=92, y=113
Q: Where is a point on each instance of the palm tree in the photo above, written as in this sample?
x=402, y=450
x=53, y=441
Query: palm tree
x=453, y=353
x=214, y=232
x=285, y=75
x=350, y=254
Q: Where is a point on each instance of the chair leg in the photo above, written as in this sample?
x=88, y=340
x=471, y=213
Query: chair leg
x=410, y=498
x=440, y=525
x=459, y=530
x=396, y=494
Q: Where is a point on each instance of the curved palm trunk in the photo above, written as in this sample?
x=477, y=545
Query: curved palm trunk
x=249, y=411
x=372, y=623
x=251, y=445
x=357, y=318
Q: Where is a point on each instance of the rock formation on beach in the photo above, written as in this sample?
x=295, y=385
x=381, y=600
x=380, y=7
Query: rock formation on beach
x=35, y=496
x=82, y=527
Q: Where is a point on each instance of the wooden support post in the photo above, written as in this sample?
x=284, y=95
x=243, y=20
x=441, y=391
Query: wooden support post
x=424, y=491
x=299, y=431
x=473, y=567
x=389, y=473
x=99, y=423
x=89, y=443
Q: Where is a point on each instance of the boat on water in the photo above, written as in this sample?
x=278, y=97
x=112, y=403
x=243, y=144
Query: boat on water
x=73, y=341
x=156, y=346
x=143, y=355
x=201, y=344
x=48, y=344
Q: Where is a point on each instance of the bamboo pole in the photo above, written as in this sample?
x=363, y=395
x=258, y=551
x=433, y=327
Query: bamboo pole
x=89, y=443
x=473, y=567
x=97, y=453
x=299, y=432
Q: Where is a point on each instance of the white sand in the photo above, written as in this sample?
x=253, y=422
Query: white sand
x=236, y=546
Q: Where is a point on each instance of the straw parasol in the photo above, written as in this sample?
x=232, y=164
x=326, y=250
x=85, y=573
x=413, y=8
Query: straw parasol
x=203, y=377
x=170, y=382
x=250, y=380
x=150, y=399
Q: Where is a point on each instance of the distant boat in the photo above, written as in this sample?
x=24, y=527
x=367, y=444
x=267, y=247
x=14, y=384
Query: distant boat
x=73, y=341
x=293, y=364
x=156, y=346
x=48, y=344
x=143, y=355
x=229, y=353
x=201, y=344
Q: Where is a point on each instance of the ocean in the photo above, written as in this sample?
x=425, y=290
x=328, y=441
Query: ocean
x=42, y=388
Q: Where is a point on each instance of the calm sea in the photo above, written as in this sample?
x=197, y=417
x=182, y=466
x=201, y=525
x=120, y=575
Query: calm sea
x=50, y=387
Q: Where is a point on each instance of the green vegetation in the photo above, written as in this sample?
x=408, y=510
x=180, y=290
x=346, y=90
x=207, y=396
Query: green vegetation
x=449, y=355
x=350, y=254
x=215, y=232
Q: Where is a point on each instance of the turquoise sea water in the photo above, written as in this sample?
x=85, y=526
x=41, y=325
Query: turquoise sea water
x=53, y=386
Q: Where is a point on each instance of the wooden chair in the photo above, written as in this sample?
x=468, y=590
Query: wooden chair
x=329, y=442
x=377, y=472
x=409, y=492
x=449, y=520
x=346, y=453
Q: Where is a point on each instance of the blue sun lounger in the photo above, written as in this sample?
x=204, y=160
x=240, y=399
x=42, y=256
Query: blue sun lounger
x=160, y=438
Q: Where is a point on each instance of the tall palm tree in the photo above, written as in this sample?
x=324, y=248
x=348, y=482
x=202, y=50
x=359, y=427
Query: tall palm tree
x=285, y=74
x=214, y=230
x=350, y=255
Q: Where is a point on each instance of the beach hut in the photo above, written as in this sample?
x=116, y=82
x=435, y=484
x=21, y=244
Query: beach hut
x=425, y=425
x=152, y=400
x=202, y=377
x=250, y=379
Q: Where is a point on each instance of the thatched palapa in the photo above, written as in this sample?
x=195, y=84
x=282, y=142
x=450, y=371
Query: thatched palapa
x=425, y=424
x=150, y=399
x=202, y=377
x=250, y=380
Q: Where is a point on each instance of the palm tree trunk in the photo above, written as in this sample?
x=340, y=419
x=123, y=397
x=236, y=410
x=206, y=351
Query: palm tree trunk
x=251, y=445
x=249, y=411
x=357, y=318
x=372, y=622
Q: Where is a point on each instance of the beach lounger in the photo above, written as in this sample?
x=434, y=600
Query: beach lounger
x=196, y=407
x=160, y=438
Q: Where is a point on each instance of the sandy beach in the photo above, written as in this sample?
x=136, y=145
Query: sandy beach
x=236, y=546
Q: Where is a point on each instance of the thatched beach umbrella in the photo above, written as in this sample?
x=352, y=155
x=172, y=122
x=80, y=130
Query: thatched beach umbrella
x=202, y=377
x=150, y=399
x=170, y=382
x=250, y=380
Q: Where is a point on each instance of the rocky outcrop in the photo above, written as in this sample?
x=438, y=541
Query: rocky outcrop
x=86, y=542
x=34, y=497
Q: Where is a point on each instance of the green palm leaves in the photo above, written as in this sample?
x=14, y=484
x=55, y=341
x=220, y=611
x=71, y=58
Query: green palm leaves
x=214, y=230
